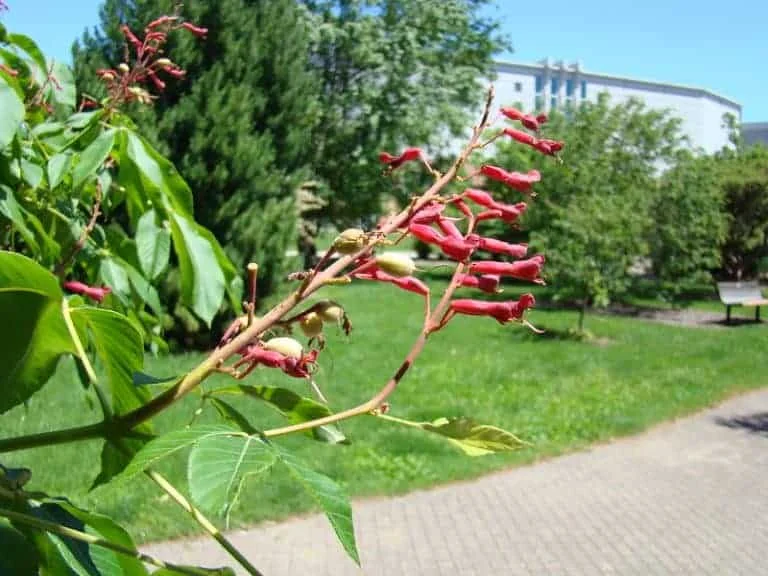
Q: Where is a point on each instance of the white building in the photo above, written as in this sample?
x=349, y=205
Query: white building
x=546, y=85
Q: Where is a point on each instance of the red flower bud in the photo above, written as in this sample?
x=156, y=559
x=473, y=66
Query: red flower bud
x=425, y=233
x=503, y=312
x=522, y=269
x=516, y=180
x=459, y=248
x=160, y=21
x=428, y=214
x=488, y=283
x=409, y=283
x=408, y=155
x=196, y=30
x=449, y=228
x=499, y=247
x=130, y=36
x=520, y=136
x=159, y=84
x=92, y=292
x=527, y=120
x=480, y=197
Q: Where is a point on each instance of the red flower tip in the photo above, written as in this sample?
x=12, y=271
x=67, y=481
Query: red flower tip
x=499, y=247
x=196, y=30
x=527, y=120
x=92, y=292
x=488, y=283
x=529, y=269
x=160, y=21
x=130, y=36
x=503, y=312
x=516, y=180
x=408, y=155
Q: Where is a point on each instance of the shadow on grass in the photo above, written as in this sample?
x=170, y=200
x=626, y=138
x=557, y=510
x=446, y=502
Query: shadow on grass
x=756, y=423
x=567, y=335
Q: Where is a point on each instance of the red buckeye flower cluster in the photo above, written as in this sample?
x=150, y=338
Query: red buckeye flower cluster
x=124, y=83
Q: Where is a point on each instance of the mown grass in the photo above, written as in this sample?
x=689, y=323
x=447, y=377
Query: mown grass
x=556, y=393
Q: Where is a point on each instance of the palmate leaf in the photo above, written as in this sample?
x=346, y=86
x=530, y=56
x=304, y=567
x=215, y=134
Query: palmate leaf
x=170, y=443
x=218, y=466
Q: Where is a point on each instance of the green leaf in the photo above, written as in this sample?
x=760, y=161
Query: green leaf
x=118, y=347
x=330, y=497
x=16, y=214
x=93, y=157
x=114, y=275
x=144, y=289
x=63, y=92
x=19, y=272
x=233, y=415
x=159, y=174
x=30, y=47
x=202, y=279
x=170, y=443
x=218, y=466
x=143, y=379
x=106, y=561
x=474, y=439
x=18, y=556
x=153, y=245
x=293, y=406
x=30, y=301
x=12, y=112
x=31, y=173
x=58, y=165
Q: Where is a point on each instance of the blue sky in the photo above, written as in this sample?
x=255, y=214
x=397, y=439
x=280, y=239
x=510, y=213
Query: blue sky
x=682, y=41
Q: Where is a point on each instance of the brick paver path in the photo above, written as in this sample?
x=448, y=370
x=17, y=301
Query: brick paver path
x=689, y=497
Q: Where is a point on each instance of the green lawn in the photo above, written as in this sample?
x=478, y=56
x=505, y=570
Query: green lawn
x=556, y=393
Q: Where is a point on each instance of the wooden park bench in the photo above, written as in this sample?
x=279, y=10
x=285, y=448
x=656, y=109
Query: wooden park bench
x=741, y=294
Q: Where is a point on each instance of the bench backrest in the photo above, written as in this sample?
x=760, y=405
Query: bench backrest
x=738, y=292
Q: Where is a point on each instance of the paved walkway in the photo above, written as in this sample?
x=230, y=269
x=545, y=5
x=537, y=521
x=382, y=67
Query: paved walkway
x=690, y=497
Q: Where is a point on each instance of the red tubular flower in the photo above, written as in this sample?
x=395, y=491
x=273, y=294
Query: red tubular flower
x=160, y=21
x=254, y=356
x=516, y=180
x=429, y=214
x=489, y=215
x=409, y=283
x=159, y=84
x=520, y=136
x=488, y=283
x=408, y=155
x=503, y=312
x=196, y=30
x=459, y=248
x=131, y=37
x=449, y=228
x=511, y=212
x=527, y=120
x=92, y=292
x=425, y=233
x=522, y=269
x=480, y=197
x=549, y=147
x=499, y=247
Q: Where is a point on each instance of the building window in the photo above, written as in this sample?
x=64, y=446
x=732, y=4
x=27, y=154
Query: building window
x=518, y=86
x=583, y=88
x=539, y=105
x=570, y=87
x=539, y=84
x=555, y=85
x=553, y=102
